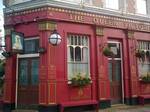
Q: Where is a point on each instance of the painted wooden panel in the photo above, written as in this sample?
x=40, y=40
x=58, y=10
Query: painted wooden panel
x=8, y=91
x=52, y=93
x=77, y=93
x=43, y=93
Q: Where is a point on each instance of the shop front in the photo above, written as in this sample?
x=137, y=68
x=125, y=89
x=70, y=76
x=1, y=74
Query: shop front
x=42, y=75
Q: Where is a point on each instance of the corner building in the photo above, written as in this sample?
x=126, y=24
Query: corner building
x=41, y=80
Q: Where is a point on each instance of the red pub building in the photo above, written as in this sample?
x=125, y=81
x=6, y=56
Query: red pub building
x=107, y=41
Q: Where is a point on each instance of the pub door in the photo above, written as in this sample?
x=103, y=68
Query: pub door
x=28, y=73
x=115, y=73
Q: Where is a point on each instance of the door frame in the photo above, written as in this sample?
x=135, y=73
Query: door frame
x=20, y=56
x=122, y=75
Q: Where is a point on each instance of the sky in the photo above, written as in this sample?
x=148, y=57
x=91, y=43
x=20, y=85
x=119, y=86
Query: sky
x=1, y=18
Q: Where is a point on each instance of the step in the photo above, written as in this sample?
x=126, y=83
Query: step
x=20, y=110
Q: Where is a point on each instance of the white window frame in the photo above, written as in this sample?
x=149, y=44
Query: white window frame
x=76, y=62
x=111, y=6
x=139, y=6
x=143, y=45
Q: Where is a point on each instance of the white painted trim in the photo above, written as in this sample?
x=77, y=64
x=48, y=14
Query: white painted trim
x=28, y=55
x=32, y=38
x=16, y=98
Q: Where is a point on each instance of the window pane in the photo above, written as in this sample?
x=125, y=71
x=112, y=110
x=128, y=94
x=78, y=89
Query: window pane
x=112, y=4
x=77, y=54
x=141, y=6
x=110, y=70
x=85, y=54
x=31, y=46
x=70, y=53
x=73, y=1
x=88, y=2
x=115, y=48
x=23, y=72
x=144, y=66
x=34, y=72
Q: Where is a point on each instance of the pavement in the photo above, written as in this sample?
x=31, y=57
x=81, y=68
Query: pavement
x=126, y=108
x=116, y=108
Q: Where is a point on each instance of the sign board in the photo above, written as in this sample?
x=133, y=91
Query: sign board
x=17, y=42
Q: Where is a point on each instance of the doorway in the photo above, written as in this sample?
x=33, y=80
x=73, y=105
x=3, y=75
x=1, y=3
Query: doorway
x=115, y=73
x=28, y=81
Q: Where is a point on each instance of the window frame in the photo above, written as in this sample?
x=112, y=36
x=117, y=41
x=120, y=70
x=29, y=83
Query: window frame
x=78, y=62
x=111, y=8
x=31, y=38
x=137, y=9
x=142, y=46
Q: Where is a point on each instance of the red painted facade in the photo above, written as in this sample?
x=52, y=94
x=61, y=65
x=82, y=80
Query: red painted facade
x=53, y=83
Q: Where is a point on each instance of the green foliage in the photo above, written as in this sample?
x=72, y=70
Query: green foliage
x=107, y=52
x=140, y=54
x=80, y=80
x=146, y=78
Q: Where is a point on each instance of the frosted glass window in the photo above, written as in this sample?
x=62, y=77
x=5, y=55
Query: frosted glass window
x=23, y=73
x=112, y=4
x=31, y=46
x=13, y=2
x=144, y=66
x=73, y=1
x=77, y=54
x=88, y=2
x=141, y=6
x=34, y=71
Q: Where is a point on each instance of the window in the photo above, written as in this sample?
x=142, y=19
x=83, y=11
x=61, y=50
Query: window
x=73, y=1
x=141, y=6
x=31, y=46
x=112, y=4
x=88, y=2
x=77, y=54
x=144, y=65
x=13, y=2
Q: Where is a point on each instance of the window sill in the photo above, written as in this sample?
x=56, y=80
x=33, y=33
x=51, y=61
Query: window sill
x=145, y=82
x=69, y=82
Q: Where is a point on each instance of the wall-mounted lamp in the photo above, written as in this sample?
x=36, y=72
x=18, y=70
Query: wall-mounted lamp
x=55, y=38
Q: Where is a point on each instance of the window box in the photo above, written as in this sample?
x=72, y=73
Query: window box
x=80, y=80
x=146, y=78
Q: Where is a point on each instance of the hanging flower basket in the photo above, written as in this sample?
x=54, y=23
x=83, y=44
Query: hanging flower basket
x=107, y=52
x=80, y=80
x=140, y=54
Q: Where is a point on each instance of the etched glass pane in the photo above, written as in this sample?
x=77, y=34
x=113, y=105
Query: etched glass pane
x=70, y=53
x=23, y=73
x=85, y=54
x=34, y=71
x=31, y=46
x=77, y=54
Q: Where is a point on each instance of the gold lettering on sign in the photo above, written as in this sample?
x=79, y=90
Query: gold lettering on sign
x=76, y=18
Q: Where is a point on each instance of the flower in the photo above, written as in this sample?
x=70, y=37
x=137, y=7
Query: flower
x=145, y=78
x=80, y=79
